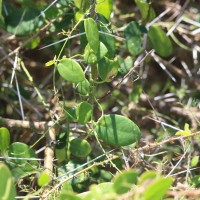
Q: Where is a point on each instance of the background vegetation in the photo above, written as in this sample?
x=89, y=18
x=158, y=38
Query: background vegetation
x=99, y=99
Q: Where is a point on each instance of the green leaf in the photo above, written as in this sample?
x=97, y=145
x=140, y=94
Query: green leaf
x=79, y=15
x=71, y=71
x=22, y=167
x=148, y=176
x=22, y=22
x=104, y=7
x=146, y=10
x=157, y=189
x=92, y=34
x=67, y=192
x=84, y=112
x=61, y=154
x=79, y=147
x=91, y=57
x=194, y=161
x=186, y=132
x=4, y=139
x=7, y=187
x=82, y=4
x=32, y=44
x=1, y=16
x=71, y=168
x=107, y=69
x=124, y=181
x=133, y=38
x=43, y=179
x=117, y=130
x=84, y=87
x=125, y=64
x=159, y=41
x=105, y=189
x=106, y=39
x=68, y=195
x=195, y=181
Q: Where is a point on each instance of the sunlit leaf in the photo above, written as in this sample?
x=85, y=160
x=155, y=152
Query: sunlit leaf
x=133, y=38
x=194, y=161
x=91, y=57
x=84, y=112
x=82, y=4
x=7, y=187
x=21, y=167
x=159, y=41
x=92, y=34
x=124, y=181
x=117, y=130
x=146, y=10
x=79, y=147
x=157, y=189
x=70, y=70
x=186, y=132
x=104, y=7
x=43, y=179
x=84, y=87
x=4, y=139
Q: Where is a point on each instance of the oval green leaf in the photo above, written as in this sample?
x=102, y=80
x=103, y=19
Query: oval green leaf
x=84, y=87
x=105, y=189
x=4, y=139
x=158, y=189
x=117, y=130
x=91, y=57
x=21, y=150
x=79, y=147
x=43, y=179
x=125, y=181
x=148, y=176
x=70, y=70
x=146, y=10
x=104, y=7
x=159, y=41
x=92, y=34
x=84, y=112
x=7, y=187
x=23, y=22
x=133, y=38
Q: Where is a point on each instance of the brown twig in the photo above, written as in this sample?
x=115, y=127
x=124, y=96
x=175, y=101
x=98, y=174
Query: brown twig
x=49, y=157
x=29, y=125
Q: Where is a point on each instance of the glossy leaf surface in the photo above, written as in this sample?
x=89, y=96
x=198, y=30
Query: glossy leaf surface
x=117, y=130
x=159, y=41
x=71, y=71
x=4, y=139
x=92, y=34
